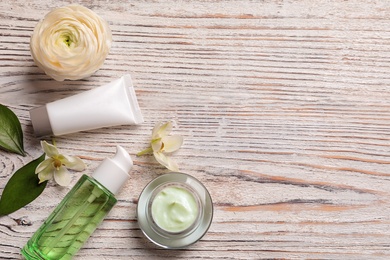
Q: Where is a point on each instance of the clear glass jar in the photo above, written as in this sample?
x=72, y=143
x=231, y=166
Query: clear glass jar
x=183, y=213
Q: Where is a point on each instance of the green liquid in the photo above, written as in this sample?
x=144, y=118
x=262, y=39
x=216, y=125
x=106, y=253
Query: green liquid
x=174, y=209
x=71, y=223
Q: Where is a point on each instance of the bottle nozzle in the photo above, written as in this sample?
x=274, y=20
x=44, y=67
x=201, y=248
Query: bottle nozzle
x=113, y=173
x=122, y=159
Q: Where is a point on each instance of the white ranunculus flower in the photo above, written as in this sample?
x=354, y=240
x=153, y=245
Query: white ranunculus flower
x=71, y=42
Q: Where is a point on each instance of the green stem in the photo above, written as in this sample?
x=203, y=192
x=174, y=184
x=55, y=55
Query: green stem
x=53, y=140
x=146, y=151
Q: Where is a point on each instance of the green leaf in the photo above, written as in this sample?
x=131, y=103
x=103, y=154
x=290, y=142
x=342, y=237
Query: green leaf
x=22, y=188
x=11, y=134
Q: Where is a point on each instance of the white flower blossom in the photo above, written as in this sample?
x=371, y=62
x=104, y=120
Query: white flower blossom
x=56, y=165
x=71, y=42
x=162, y=144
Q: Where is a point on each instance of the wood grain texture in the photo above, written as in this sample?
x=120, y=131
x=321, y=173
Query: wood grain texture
x=284, y=107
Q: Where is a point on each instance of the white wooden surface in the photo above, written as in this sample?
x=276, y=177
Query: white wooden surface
x=284, y=107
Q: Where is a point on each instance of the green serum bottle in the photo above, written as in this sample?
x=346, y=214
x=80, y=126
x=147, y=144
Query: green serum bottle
x=81, y=211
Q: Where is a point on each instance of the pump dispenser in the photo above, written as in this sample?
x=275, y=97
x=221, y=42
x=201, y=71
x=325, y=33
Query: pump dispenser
x=113, y=173
x=81, y=211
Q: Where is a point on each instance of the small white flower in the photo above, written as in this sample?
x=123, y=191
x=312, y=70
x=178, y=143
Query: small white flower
x=163, y=144
x=56, y=165
x=71, y=42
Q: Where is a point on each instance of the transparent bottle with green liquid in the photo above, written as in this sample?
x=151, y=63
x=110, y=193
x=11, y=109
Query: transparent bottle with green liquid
x=85, y=206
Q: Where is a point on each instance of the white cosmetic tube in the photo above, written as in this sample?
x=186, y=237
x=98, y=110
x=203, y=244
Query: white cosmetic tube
x=109, y=105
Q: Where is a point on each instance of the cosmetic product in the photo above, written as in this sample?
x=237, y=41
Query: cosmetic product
x=80, y=212
x=174, y=210
x=109, y=105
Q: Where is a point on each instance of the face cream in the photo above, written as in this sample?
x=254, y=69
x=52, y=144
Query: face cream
x=112, y=104
x=174, y=210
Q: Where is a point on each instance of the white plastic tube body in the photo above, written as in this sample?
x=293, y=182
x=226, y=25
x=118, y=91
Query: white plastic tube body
x=109, y=105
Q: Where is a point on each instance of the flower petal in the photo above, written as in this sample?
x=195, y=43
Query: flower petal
x=49, y=149
x=161, y=129
x=166, y=161
x=156, y=145
x=62, y=176
x=72, y=162
x=46, y=173
x=172, y=143
x=43, y=165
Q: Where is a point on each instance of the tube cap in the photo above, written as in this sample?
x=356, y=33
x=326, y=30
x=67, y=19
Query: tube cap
x=113, y=173
x=40, y=121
